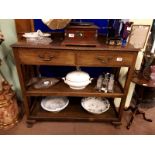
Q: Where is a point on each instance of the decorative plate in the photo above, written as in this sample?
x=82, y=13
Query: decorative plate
x=54, y=104
x=95, y=105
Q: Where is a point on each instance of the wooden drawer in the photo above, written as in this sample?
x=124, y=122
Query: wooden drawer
x=105, y=58
x=46, y=57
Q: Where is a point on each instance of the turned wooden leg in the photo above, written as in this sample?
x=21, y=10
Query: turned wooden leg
x=30, y=123
x=134, y=112
x=135, y=108
x=116, y=124
x=130, y=122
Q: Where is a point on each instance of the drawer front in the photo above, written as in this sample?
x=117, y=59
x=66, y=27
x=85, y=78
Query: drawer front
x=105, y=58
x=46, y=57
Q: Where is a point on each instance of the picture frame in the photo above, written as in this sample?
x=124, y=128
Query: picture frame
x=139, y=35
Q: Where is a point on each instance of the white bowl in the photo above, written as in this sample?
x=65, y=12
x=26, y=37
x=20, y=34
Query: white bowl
x=54, y=104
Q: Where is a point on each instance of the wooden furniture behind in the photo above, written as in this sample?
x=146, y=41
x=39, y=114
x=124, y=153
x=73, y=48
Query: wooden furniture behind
x=141, y=83
x=23, y=26
x=28, y=56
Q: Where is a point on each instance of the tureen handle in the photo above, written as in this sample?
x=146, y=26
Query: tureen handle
x=91, y=80
x=64, y=79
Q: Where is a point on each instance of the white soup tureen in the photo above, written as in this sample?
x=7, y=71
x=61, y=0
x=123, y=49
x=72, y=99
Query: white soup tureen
x=77, y=79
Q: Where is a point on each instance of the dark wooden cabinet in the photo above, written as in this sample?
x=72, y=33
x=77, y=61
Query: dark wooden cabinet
x=28, y=56
x=23, y=26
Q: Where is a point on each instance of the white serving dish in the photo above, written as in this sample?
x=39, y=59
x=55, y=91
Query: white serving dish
x=41, y=40
x=36, y=34
x=95, y=105
x=38, y=37
x=54, y=104
x=77, y=79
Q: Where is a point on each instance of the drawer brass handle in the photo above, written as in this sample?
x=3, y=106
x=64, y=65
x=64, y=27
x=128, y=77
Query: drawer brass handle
x=106, y=60
x=101, y=59
x=46, y=57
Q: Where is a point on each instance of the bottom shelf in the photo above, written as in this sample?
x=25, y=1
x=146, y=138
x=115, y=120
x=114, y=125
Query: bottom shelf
x=73, y=112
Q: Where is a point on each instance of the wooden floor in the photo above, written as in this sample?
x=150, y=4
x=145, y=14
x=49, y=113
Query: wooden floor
x=139, y=127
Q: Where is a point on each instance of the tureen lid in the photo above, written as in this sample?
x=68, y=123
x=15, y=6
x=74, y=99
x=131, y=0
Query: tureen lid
x=77, y=76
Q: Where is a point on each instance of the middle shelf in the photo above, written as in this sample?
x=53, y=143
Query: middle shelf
x=61, y=89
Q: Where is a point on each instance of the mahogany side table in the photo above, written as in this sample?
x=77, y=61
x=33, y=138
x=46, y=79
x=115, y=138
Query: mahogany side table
x=141, y=83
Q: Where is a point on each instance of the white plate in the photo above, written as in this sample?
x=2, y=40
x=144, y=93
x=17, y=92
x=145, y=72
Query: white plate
x=54, y=104
x=95, y=105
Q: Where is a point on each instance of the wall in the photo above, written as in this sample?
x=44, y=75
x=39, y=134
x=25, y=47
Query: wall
x=101, y=23
x=8, y=68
